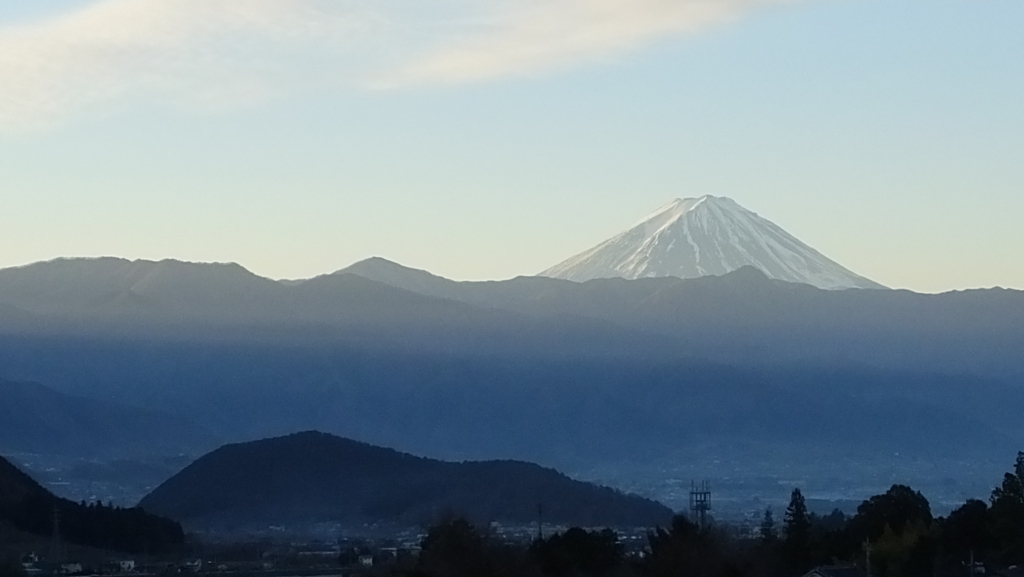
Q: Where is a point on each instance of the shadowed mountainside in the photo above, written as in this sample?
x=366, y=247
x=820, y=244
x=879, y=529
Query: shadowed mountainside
x=36, y=419
x=309, y=477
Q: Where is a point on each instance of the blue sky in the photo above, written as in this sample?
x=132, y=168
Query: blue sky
x=298, y=136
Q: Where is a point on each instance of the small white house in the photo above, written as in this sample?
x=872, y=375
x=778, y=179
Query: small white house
x=126, y=566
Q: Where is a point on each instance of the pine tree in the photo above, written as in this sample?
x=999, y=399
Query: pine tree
x=768, y=526
x=798, y=531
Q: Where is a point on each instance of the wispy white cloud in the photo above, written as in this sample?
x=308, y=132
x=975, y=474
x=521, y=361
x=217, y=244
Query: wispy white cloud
x=196, y=53
x=532, y=35
x=211, y=54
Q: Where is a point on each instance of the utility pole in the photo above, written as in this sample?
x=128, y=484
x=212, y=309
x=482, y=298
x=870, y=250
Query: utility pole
x=867, y=556
x=56, y=556
x=540, y=521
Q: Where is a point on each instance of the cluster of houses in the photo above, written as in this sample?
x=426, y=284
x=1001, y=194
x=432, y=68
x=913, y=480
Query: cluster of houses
x=34, y=565
x=312, y=559
x=353, y=554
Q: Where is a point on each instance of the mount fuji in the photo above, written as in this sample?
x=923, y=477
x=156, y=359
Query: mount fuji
x=707, y=236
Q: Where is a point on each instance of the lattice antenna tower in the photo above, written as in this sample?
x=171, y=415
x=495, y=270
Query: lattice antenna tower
x=700, y=502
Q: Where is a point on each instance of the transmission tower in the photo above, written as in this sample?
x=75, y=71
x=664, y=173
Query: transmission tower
x=700, y=502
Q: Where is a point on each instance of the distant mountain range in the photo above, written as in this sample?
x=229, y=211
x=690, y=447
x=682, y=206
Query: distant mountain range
x=707, y=236
x=687, y=238
x=746, y=317
x=532, y=368
x=313, y=477
x=721, y=318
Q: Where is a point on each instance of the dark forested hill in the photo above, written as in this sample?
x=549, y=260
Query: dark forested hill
x=318, y=477
x=27, y=506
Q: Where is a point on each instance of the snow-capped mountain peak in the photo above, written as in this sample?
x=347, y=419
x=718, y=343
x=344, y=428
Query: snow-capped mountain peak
x=707, y=236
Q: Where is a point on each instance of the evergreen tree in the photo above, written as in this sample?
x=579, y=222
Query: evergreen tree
x=1012, y=489
x=768, y=527
x=798, y=532
x=1007, y=514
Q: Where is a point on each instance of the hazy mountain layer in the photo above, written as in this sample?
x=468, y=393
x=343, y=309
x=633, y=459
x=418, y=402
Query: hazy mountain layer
x=696, y=237
x=744, y=317
x=538, y=368
x=36, y=419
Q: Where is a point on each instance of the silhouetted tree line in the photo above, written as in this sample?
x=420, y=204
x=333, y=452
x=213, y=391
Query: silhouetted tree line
x=131, y=530
x=898, y=536
x=892, y=535
x=27, y=506
x=10, y=568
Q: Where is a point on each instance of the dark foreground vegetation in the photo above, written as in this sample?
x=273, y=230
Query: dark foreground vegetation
x=894, y=534
x=28, y=507
x=891, y=535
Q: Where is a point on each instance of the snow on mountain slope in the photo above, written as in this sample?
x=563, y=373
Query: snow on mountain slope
x=707, y=236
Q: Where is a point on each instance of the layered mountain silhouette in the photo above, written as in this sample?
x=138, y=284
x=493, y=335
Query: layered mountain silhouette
x=315, y=477
x=531, y=368
x=707, y=236
x=746, y=317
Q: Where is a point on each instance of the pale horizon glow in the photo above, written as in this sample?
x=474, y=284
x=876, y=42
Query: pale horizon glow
x=490, y=140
